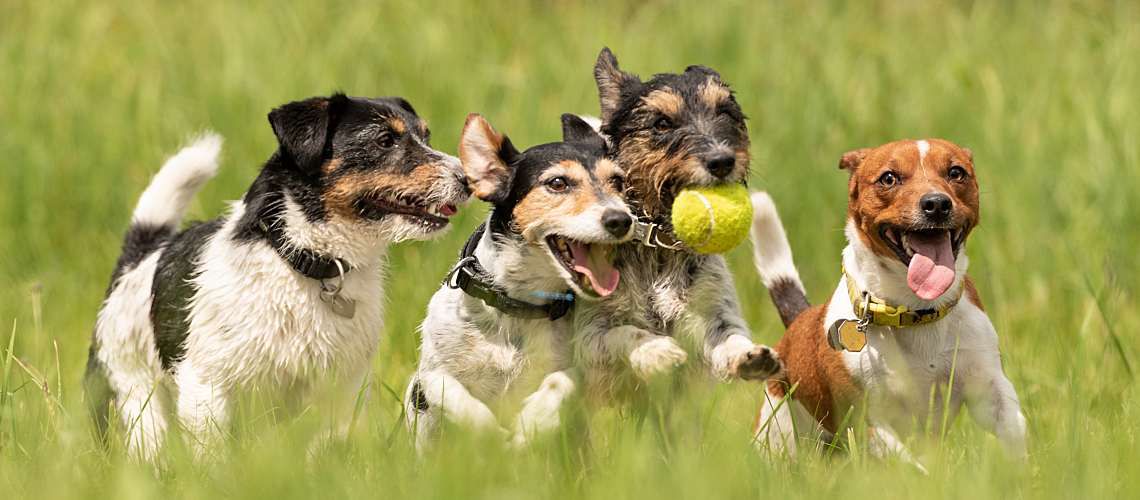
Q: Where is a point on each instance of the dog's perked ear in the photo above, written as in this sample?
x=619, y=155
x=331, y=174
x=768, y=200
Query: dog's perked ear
x=611, y=79
x=302, y=128
x=486, y=156
x=577, y=130
x=704, y=70
x=852, y=159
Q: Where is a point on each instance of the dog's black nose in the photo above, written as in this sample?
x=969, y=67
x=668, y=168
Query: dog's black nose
x=616, y=222
x=721, y=166
x=936, y=206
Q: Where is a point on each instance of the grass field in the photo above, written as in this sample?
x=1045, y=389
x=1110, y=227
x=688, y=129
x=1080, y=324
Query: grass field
x=93, y=96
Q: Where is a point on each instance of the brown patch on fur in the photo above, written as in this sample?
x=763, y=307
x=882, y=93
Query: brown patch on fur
x=972, y=293
x=713, y=93
x=540, y=206
x=329, y=166
x=870, y=204
x=398, y=124
x=340, y=197
x=665, y=101
x=479, y=148
x=825, y=388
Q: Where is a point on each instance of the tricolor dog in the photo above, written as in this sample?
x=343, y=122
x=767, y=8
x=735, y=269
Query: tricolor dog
x=283, y=294
x=904, y=330
x=548, y=243
x=671, y=132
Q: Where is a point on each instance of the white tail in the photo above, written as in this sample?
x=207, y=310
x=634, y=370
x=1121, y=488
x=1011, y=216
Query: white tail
x=165, y=200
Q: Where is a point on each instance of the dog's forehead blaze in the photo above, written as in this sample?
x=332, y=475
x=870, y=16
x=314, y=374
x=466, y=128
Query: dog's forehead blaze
x=341, y=193
x=713, y=93
x=539, y=205
x=665, y=100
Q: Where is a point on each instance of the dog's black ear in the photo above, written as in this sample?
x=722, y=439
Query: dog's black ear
x=611, y=80
x=851, y=159
x=487, y=158
x=577, y=130
x=302, y=128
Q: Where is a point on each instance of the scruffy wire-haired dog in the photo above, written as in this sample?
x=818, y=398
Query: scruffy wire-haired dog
x=557, y=214
x=668, y=133
x=282, y=294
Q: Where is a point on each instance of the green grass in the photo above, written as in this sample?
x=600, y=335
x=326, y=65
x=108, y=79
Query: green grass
x=93, y=95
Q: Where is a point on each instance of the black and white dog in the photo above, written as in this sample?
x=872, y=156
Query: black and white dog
x=284, y=293
x=668, y=133
x=556, y=218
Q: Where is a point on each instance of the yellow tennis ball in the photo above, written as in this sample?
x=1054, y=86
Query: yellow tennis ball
x=712, y=219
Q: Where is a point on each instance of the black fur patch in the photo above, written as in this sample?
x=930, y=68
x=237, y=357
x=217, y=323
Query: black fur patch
x=789, y=299
x=140, y=241
x=419, y=400
x=172, y=290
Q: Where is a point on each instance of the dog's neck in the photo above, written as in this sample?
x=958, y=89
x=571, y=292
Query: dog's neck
x=524, y=272
x=358, y=245
x=885, y=277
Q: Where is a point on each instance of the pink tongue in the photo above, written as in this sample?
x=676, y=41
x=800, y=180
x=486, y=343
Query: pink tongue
x=931, y=270
x=601, y=273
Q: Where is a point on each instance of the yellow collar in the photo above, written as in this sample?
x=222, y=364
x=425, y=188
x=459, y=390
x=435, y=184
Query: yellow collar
x=876, y=311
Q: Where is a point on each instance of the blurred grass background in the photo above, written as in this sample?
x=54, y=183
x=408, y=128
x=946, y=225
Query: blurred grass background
x=94, y=95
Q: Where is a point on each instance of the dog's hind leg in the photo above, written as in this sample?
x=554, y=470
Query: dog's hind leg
x=125, y=354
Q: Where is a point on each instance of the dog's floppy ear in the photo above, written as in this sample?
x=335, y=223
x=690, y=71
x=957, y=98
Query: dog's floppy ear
x=486, y=156
x=852, y=159
x=302, y=128
x=611, y=79
x=577, y=130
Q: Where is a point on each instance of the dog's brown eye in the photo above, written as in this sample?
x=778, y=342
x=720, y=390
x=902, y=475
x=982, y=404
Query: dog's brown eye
x=557, y=184
x=386, y=140
x=663, y=124
x=618, y=183
x=888, y=179
x=956, y=173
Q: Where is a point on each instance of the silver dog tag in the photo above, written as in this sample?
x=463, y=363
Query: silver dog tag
x=340, y=306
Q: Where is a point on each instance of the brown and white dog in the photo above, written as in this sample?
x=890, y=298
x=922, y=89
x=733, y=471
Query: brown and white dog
x=894, y=334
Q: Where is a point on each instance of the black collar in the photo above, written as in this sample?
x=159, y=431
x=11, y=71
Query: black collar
x=303, y=260
x=469, y=276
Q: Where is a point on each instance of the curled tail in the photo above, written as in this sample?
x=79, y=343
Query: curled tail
x=773, y=257
x=162, y=205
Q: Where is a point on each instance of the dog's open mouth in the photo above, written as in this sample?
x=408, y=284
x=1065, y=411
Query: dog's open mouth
x=929, y=254
x=431, y=217
x=591, y=264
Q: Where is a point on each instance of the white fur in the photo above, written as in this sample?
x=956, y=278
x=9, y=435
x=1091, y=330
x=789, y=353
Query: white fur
x=165, y=199
x=126, y=348
x=923, y=148
x=770, y=248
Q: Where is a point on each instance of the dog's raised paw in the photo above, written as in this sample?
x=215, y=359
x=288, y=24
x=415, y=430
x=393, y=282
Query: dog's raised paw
x=657, y=356
x=759, y=363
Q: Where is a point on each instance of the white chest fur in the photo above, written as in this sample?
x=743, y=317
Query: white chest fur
x=907, y=372
x=263, y=323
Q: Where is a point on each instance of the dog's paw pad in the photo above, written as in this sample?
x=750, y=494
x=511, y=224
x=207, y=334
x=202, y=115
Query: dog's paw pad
x=759, y=363
x=657, y=356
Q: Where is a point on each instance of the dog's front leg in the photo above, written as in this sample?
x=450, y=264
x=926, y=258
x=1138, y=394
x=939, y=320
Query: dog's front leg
x=541, y=411
x=728, y=343
x=647, y=353
x=992, y=400
x=446, y=395
x=882, y=442
x=203, y=408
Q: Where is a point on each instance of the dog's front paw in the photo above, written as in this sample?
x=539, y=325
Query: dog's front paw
x=656, y=356
x=759, y=363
